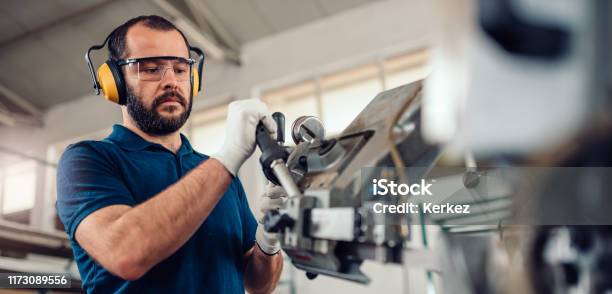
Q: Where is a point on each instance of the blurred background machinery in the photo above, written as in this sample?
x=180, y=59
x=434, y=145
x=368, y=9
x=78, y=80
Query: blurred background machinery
x=527, y=83
x=514, y=84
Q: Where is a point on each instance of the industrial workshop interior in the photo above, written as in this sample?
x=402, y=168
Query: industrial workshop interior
x=306, y=146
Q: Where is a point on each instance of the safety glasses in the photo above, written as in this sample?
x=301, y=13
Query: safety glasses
x=155, y=68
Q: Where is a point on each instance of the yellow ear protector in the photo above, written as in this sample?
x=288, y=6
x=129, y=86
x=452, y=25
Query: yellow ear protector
x=109, y=77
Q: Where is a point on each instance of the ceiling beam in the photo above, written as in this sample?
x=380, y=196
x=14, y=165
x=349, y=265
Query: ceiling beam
x=13, y=119
x=208, y=43
x=5, y=116
x=204, y=15
x=33, y=111
x=6, y=119
x=54, y=23
x=28, y=120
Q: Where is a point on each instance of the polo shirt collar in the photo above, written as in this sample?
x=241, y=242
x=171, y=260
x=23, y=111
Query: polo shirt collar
x=185, y=146
x=131, y=141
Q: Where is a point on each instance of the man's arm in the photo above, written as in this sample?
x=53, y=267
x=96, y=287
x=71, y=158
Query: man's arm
x=128, y=241
x=264, y=262
x=262, y=271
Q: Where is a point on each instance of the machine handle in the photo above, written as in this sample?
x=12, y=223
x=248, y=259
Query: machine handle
x=271, y=151
x=263, y=139
x=279, y=118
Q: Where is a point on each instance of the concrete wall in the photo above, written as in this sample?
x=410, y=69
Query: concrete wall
x=364, y=34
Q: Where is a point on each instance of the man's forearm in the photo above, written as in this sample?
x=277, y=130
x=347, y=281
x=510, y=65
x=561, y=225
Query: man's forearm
x=262, y=271
x=158, y=227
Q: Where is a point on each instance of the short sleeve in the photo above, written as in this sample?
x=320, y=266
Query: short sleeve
x=249, y=223
x=86, y=182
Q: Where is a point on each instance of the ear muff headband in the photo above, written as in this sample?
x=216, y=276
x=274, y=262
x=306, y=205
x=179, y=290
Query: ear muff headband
x=109, y=77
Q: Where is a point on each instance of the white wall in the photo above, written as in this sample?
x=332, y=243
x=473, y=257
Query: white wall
x=363, y=34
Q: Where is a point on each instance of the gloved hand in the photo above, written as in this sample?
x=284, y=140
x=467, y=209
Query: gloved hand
x=273, y=197
x=242, y=119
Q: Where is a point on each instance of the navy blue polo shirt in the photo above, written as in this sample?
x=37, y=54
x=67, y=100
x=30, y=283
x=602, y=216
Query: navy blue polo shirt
x=126, y=169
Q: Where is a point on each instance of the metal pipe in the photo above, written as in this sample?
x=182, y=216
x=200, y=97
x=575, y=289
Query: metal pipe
x=284, y=177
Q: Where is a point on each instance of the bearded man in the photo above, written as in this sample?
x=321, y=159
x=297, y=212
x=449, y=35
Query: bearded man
x=145, y=212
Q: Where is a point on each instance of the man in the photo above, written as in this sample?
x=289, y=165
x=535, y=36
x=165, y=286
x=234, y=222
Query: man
x=146, y=213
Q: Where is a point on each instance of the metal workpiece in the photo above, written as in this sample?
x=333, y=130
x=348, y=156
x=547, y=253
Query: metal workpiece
x=297, y=161
x=284, y=177
x=328, y=154
x=307, y=129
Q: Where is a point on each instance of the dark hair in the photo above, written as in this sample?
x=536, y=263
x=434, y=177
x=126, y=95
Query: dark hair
x=117, y=45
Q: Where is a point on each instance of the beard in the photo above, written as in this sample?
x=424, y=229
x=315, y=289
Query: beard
x=149, y=120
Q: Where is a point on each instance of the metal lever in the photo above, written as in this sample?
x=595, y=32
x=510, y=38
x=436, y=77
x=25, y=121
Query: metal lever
x=279, y=118
x=273, y=159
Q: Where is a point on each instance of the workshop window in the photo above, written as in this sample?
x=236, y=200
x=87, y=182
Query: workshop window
x=338, y=97
x=345, y=94
x=207, y=131
x=19, y=187
x=405, y=68
x=293, y=101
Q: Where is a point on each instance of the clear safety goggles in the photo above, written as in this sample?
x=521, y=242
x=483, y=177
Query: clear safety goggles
x=155, y=68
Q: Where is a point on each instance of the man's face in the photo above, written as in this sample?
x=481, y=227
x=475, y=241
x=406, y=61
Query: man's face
x=158, y=107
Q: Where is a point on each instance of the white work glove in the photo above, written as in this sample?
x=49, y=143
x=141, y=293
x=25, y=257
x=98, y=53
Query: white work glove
x=242, y=119
x=273, y=198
